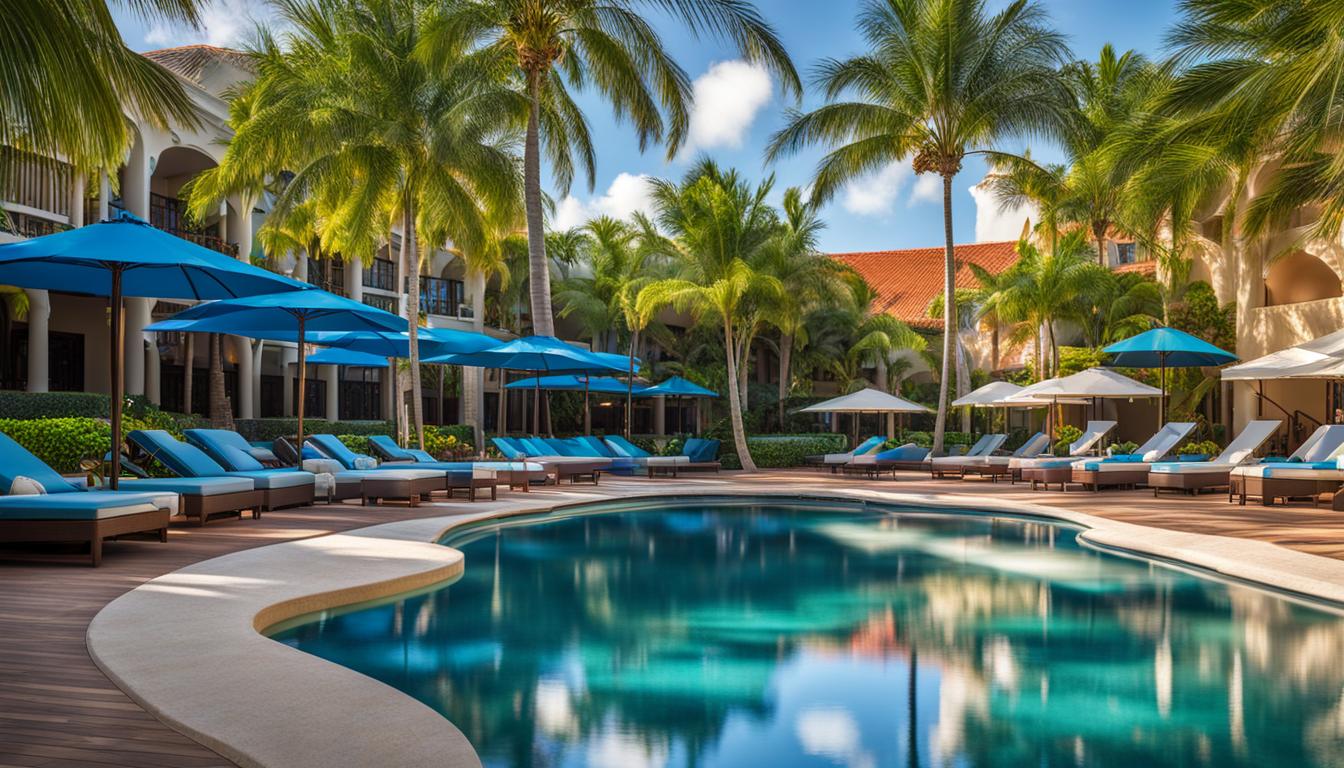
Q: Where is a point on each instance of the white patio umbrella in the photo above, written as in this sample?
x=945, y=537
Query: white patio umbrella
x=1094, y=383
x=865, y=401
x=1309, y=360
x=988, y=395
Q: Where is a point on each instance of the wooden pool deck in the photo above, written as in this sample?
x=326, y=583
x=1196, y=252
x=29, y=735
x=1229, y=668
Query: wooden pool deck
x=57, y=708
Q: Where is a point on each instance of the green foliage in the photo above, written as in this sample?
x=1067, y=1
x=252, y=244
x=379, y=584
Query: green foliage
x=1075, y=359
x=63, y=442
x=357, y=443
x=53, y=405
x=1126, y=448
x=779, y=451
x=450, y=437
x=1064, y=435
x=270, y=429
x=1199, y=314
x=1205, y=447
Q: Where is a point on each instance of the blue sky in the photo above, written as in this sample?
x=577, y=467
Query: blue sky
x=738, y=109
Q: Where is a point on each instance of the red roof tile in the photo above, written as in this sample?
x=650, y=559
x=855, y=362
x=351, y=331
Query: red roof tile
x=906, y=281
x=1148, y=267
x=190, y=61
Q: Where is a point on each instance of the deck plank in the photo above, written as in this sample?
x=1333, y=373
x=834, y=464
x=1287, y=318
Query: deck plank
x=57, y=708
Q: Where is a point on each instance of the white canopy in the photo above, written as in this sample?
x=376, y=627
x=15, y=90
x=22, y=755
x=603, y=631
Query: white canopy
x=1093, y=382
x=1321, y=358
x=988, y=395
x=866, y=401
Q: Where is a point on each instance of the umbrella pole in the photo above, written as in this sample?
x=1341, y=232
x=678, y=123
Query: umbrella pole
x=1162, y=404
x=587, y=414
x=118, y=351
x=303, y=371
x=536, y=408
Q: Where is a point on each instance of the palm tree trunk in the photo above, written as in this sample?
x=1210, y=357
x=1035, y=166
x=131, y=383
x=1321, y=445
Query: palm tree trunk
x=949, y=316
x=473, y=380
x=630, y=384
x=735, y=402
x=785, y=358
x=410, y=250
x=963, y=382
x=221, y=413
x=539, y=273
x=1099, y=232
x=188, y=369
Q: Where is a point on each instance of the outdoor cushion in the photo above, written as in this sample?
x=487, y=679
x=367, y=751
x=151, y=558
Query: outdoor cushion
x=420, y=455
x=90, y=505
x=269, y=479
x=190, y=486
x=262, y=453
x=507, y=447
x=179, y=457
x=598, y=447
x=335, y=449
x=907, y=452
x=1130, y=457
x=701, y=450
x=1191, y=467
x=309, y=452
x=25, y=486
x=537, y=447
x=17, y=461
x=396, y=474
x=228, y=448
x=389, y=448
x=1287, y=471
x=624, y=448
x=240, y=460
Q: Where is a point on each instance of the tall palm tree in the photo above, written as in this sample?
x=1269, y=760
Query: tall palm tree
x=377, y=135
x=718, y=226
x=551, y=46
x=67, y=78
x=942, y=79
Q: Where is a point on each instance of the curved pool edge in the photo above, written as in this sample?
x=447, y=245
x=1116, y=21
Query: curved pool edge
x=187, y=645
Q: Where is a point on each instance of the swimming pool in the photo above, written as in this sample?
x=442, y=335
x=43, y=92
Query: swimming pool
x=714, y=632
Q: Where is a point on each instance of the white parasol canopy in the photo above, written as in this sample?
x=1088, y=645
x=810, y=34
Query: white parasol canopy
x=1321, y=358
x=988, y=395
x=866, y=401
x=1093, y=382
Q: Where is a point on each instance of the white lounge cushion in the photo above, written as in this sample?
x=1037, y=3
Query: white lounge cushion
x=1191, y=467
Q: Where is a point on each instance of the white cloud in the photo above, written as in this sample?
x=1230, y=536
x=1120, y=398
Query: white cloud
x=993, y=222
x=727, y=99
x=876, y=193
x=928, y=189
x=833, y=733
x=224, y=23
x=629, y=193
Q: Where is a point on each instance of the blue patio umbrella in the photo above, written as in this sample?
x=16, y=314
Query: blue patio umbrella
x=266, y=316
x=337, y=356
x=575, y=383
x=676, y=386
x=540, y=354
x=433, y=342
x=128, y=257
x=1166, y=348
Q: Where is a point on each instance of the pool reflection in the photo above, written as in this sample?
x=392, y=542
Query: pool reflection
x=788, y=636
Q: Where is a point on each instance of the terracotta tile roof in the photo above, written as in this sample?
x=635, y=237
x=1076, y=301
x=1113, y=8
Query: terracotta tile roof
x=190, y=61
x=1148, y=267
x=906, y=281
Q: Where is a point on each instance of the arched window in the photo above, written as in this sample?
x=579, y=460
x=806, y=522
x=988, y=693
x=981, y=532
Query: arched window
x=1299, y=277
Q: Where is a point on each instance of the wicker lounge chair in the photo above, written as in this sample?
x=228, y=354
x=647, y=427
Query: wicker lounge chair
x=1193, y=476
x=1132, y=469
x=278, y=487
x=1313, y=469
x=996, y=466
x=951, y=466
x=836, y=461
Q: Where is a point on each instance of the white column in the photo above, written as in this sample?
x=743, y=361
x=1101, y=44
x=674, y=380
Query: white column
x=137, y=317
x=135, y=181
x=258, y=352
x=354, y=279
x=660, y=415
x=39, y=313
x=289, y=362
x=77, y=190
x=332, y=375
x=301, y=266
x=153, y=368
x=473, y=379
x=238, y=230
x=104, y=195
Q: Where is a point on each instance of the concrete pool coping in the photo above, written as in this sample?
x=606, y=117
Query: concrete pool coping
x=187, y=646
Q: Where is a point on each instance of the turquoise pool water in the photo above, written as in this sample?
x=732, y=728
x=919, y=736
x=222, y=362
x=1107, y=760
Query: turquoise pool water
x=707, y=633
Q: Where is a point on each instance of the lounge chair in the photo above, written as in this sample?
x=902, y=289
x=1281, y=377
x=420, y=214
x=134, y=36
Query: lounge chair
x=703, y=454
x=468, y=476
x=1314, y=468
x=67, y=511
x=952, y=466
x=1131, y=469
x=996, y=466
x=908, y=456
x=279, y=487
x=377, y=482
x=668, y=465
x=836, y=461
x=556, y=465
x=1191, y=476
x=1059, y=469
x=197, y=497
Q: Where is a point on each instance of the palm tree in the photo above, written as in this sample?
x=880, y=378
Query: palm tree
x=378, y=136
x=718, y=226
x=551, y=46
x=68, y=77
x=943, y=79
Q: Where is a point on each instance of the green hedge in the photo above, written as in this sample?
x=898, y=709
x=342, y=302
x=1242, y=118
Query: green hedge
x=61, y=443
x=269, y=429
x=52, y=405
x=781, y=451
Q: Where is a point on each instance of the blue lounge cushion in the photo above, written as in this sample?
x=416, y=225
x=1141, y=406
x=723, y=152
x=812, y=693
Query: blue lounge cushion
x=240, y=461
x=309, y=452
x=507, y=447
x=88, y=505
x=420, y=455
x=390, y=450
x=1125, y=457
x=335, y=449
x=597, y=447
x=17, y=461
x=180, y=458
x=625, y=448
x=228, y=448
x=190, y=486
x=536, y=446
x=904, y=453
x=269, y=479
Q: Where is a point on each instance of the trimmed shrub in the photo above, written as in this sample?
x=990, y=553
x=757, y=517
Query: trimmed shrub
x=61, y=443
x=463, y=434
x=52, y=405
x=1129, y=446
x=1205, y=447
x=1065, y=435
x=271, y=428
x=781, y=451
x=356, y=443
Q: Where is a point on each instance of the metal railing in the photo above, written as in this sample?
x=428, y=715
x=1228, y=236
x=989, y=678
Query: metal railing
x=439, y=296
x=381, y=274
x=386, y=303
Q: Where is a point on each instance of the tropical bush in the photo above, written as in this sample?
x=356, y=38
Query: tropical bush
x=1200, y=447
x=1124, y=449
x=61, y=443
x=52, y=405
x=1063, y=436
x=356, y=443
x=271, y=428
x=779, y=451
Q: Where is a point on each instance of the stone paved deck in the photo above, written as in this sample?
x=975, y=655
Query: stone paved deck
x=57, y=708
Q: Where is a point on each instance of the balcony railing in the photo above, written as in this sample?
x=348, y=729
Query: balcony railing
x=385, y=303
x=36, y=183
x=381, y=274
x=28, y=225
